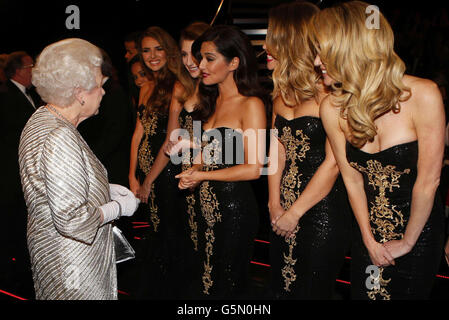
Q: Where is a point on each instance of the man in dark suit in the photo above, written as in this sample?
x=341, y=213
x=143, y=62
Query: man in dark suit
x=17, y=104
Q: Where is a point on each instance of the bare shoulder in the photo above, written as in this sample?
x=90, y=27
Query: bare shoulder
x=178, y=88
x=147, y=86
x=145, y=91
x=253, y=104
x=422, y=90
x=331, y=117
x=253, y=112
x=328, y=108
x=425, y=103
x=279, y=106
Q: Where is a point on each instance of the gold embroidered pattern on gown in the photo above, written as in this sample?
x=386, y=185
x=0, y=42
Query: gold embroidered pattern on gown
x=384, y=217
x=146, y=160
x=190, y=199
x=210, y=210
x=295, y=150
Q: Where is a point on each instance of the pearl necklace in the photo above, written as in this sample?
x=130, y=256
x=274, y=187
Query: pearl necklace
x=49, y=106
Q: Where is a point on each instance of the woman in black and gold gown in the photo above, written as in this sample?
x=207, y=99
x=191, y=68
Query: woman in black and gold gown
x=307, y=199
x=389, y=177
x=387, y=132
x=182, y=159
x=232, y=113
x=151, y=179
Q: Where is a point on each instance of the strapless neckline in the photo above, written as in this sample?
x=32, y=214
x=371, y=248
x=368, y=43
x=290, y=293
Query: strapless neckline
x=301, y=117
x=222, y=127
x=385, y=150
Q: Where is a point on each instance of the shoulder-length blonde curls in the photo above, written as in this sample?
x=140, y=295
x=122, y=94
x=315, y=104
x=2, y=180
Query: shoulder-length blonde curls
x=361, y=60
x=294, y=78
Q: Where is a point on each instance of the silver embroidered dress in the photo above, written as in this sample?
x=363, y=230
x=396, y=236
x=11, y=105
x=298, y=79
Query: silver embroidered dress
x=64, y=184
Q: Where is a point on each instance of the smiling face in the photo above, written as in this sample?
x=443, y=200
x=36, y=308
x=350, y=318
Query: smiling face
x=153, y=54
x=139, y=74
x=188, y=60
x=327, y=80
x=214, y=66
x=271, y=61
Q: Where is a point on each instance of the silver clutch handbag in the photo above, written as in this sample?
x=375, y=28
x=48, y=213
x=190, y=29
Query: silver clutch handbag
x=123, y=250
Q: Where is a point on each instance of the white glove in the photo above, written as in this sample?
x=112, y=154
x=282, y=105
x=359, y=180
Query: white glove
x=111, y=211
x=125, y=198
x=123, y=203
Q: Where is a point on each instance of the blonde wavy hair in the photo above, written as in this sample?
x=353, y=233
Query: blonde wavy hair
x=367, y=72
x=287, y=41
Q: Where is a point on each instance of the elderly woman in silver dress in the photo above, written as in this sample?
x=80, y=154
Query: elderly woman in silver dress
x=70, y=203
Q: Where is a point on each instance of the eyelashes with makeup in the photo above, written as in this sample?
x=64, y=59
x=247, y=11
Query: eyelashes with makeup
x=208, y=59
x=148, y=50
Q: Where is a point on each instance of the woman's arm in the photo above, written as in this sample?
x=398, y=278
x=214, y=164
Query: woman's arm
x=353, y=180
x=318, y=187
x=276, y=163
x=162, y=159
x=134, y=184
x=429, y=121
x=253, y=119
x=67, y=187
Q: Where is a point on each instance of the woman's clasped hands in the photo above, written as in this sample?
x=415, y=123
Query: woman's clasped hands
x=189, y=178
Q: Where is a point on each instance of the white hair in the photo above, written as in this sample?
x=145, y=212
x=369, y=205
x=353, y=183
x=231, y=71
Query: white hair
x=63, y=67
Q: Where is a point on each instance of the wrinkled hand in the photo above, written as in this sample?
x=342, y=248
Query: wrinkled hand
x=379, y=254
x=188, y=179
x=286, y=225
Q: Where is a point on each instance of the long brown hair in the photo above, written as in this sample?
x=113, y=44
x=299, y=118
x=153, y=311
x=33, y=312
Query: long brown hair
x=171, y=72
x=190, y=33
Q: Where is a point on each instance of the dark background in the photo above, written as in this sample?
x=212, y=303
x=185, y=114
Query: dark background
x=32, y=25
x=421, y=27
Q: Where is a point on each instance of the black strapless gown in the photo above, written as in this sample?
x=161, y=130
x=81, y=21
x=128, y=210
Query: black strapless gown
x=162, y=249
x=229, y=220
x=190, y=204
x=389, y=177
x=184, y=214
x=306, y=265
